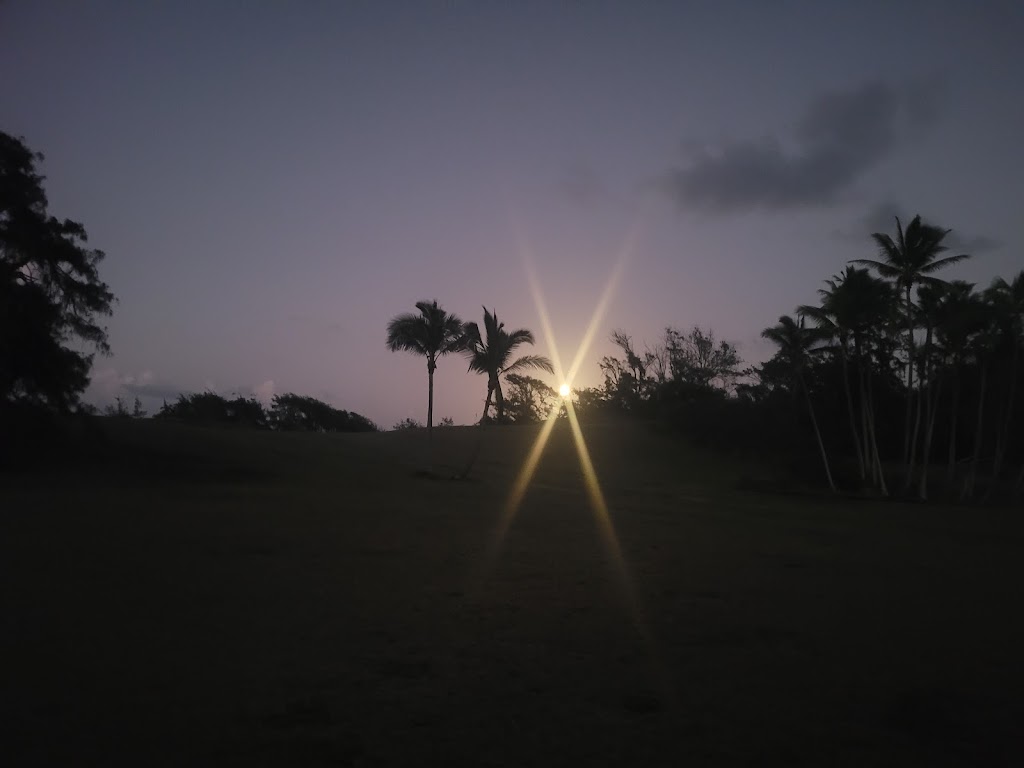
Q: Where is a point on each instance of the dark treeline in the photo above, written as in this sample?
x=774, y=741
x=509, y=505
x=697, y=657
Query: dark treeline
x=896, y=382
x=287, y=413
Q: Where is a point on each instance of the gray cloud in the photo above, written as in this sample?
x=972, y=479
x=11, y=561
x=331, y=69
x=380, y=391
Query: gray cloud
x=841, y=135
x=882, y=218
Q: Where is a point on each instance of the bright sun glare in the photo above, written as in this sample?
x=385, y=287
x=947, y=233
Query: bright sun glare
x=564, y=390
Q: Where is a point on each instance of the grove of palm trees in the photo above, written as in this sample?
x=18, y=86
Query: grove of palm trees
x=944, y=351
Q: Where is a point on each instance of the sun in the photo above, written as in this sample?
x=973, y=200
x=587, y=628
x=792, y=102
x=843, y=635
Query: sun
x=564, y=390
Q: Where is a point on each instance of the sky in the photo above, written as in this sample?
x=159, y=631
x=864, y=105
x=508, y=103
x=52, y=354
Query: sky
x=273, y=181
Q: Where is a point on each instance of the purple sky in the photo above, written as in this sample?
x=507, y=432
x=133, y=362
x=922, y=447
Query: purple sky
x=273, y=181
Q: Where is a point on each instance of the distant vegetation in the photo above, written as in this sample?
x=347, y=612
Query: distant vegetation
x=287, y=413
x=407, y=423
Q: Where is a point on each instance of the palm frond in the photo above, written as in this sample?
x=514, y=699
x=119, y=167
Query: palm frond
x=530, y=361
x=432, y=332
x=945, y=262
x=884, y=269
x=819, y=315
x=407, y=333
x=516, y=339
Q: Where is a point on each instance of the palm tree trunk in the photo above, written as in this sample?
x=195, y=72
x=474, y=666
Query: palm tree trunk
x=850, y=412
x=431, y=365
x=499, y=401
x=487, y=403
x=879, y=472
x=912, y=458
x=870, y=450
x=924, y=386
x=972, y=472
x=926, y=451
x=1003, y=430
x=954, y=412
x=866, y=437
x=910, y=375
x=870, y=446
x=817, y=434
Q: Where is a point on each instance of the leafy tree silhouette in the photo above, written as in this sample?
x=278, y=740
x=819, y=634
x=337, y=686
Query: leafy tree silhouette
x=51, y=296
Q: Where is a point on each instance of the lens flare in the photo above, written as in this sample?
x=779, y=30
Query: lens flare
x=606, y=528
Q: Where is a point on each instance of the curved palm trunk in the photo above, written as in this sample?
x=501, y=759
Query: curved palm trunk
x=867, y=415
x=910, y=377
x=817, y=435
x=487, y=402
x=972, y=472
x=954, y=412
x=879, y=472
x=926, y=451
x=1003, y=431
x=499, y=401
x=850, y=412
x=431, y=366
x=923, y=395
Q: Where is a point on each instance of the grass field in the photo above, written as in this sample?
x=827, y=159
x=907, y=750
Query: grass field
x=198, y=597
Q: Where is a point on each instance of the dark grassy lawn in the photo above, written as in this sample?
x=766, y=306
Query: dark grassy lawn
x=204, y=597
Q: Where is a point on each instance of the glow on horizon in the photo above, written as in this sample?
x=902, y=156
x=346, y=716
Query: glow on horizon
x=596, y=497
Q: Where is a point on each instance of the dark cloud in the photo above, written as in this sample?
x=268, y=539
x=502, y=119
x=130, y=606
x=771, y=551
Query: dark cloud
x=882, y=218
x=840, y=136
x=973, y=244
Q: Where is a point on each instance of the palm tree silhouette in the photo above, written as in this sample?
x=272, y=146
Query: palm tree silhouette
x=1008, y=300
x=984, y=327
x=796, y=345
x=953, y=330
x=910, y=260
x=932, y=305
x=432, y=333
x=491, y=352
x=855, y=306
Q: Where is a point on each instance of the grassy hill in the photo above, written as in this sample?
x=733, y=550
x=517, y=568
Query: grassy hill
x=192, y=596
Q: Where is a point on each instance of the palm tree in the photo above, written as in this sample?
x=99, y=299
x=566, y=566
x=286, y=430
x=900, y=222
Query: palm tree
x=491, y=354
x=832, y=326
x=953, y=329
x=910, y=260
x=932, y=302
x=432, y=333
x=796, y=344
x=1008, y=298
x=985, y=336
x=854, y=306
